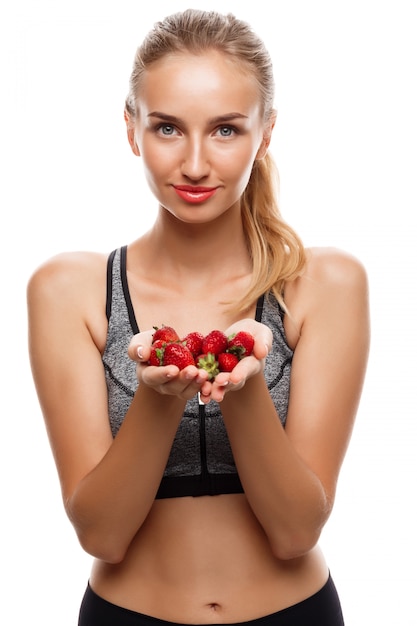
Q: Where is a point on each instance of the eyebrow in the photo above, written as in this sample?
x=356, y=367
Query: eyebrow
x=214, y=120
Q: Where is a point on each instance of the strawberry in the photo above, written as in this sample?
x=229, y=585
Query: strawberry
x=241, y=344
x=215, y=342
x=177, y=354
x=208, y=362
x=193, y=341
x=227, y=361
x=157, y=354
x=165, y=333
x=159, y=343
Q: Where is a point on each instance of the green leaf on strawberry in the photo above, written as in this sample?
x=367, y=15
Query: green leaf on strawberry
x=208, y=363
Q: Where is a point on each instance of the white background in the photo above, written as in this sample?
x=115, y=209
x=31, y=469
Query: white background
x=345, y=144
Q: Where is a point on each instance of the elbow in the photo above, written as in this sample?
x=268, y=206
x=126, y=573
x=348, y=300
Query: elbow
x=292, y=545
x=101, y=547
x=298, y=537
x=96, y=538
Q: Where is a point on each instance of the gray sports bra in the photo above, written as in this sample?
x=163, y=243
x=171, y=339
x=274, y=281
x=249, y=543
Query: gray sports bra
x=201, y=460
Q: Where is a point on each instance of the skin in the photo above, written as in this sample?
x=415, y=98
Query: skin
x=225, y=558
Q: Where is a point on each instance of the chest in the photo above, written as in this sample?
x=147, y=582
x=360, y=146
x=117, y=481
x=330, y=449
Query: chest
x=196, y=308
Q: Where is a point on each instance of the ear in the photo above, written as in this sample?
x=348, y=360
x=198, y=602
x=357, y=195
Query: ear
x=130, y=127
x=266, y=139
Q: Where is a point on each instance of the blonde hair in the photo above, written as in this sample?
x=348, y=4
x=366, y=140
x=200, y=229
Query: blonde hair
x=277, y=252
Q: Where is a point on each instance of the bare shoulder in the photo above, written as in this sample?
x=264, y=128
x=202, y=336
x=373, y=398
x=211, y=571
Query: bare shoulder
x=68, y=271
x=334, y=267
x=327, y=272
x=68, y=291
x=333, y=281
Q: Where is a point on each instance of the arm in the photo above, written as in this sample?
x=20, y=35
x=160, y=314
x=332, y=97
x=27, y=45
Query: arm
x=108, y=485
x=290, y=475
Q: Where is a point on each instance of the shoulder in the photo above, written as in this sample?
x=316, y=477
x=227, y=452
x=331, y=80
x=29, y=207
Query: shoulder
x=333, y=267
x=333, y=281
x=67, y=294
x=68, y=272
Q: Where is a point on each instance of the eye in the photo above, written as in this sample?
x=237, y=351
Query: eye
x=166, y=129
x=226, y=131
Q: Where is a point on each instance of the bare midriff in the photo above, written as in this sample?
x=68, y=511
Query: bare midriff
x=206, y=560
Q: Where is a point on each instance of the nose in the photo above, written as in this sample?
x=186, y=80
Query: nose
x=195, y=164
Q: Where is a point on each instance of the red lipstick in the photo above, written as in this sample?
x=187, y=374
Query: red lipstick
x=194, y=194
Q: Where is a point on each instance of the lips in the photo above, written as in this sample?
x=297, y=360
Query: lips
x=194, y=194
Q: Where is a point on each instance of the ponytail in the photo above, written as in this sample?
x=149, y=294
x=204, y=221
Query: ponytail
x=277, y=252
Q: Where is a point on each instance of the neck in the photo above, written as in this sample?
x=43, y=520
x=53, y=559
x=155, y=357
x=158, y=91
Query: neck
x=209, y=251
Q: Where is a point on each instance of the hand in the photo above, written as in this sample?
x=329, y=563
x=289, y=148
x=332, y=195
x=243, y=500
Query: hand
x=246, y=368
x=166, y=379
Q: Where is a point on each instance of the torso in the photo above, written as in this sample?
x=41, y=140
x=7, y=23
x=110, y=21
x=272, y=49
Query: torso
x=206, y=559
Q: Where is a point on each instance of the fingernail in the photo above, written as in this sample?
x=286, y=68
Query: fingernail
x=140, y=352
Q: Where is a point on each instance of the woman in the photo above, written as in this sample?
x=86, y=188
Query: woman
x=202, y=500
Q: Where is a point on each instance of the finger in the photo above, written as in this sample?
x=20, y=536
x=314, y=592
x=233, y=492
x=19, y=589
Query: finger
x=261, y=350
x=222, y=379
x=247, y=367
x=169, y=380
x=155, y=376
x=193, y=375
x=139, y=347
x=263, y=343
x=205, y=391
x=190, y=381
x=141, y=353
x=218, y=391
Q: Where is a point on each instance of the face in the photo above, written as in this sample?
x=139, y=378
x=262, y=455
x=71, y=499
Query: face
x=199, y=129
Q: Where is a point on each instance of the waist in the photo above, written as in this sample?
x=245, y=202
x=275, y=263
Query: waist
x=206, y=560
x=323, y=607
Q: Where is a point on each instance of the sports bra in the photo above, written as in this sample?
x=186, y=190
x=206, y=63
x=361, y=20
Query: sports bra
x=201, y=459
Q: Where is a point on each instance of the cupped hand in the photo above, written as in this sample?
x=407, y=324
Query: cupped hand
x=186, y=383
x=166, y=379
x=246, y=368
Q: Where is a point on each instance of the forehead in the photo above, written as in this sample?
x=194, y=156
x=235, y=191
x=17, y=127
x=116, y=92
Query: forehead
x=209, y=78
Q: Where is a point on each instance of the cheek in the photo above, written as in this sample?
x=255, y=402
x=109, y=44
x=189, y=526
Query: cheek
x=156, y=161
x=238, y=166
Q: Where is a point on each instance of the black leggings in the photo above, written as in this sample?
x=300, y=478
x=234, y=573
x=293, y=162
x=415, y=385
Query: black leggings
x=321, y=609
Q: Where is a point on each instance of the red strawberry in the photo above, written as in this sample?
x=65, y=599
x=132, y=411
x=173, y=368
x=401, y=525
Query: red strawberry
x=159, y=343
x=241, y=344
x=177, y=354
x=215, y=342
x=165, y=333
x=208, y=362
x=157, y=354
x=227, y=361
x=193, y=341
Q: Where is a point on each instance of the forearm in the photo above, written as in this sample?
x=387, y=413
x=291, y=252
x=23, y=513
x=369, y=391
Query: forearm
x=110, y=504
x=286, y=496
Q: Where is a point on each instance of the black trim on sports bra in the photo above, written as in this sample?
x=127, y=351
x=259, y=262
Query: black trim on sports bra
x=110, y=261
x=259, y=308
x=197, y=486
x=204, y=484
x=123, y=274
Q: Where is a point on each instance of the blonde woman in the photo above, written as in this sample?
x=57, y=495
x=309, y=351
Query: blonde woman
x=202, y=501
